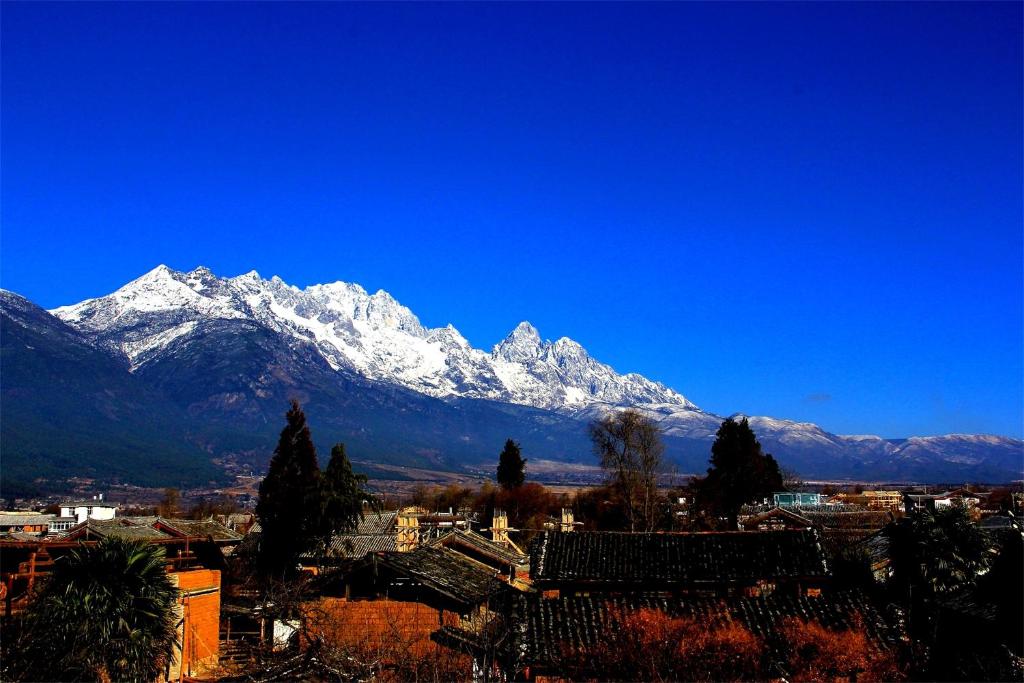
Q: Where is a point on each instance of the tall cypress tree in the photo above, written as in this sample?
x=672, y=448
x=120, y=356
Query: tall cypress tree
x=290, y=499
x=740, y=471
x=511, y=466
x=344, y=493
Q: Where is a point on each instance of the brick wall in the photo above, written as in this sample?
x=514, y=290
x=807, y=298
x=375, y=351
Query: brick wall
x=199, y=612
x=388, y=627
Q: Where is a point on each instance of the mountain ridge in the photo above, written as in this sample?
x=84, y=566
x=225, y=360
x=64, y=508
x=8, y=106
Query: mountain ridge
x=373, y=335
x=229, y=352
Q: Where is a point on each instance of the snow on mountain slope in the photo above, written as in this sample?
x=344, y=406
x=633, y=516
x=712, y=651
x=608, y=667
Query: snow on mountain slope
x=173, y=328
x=371, y=335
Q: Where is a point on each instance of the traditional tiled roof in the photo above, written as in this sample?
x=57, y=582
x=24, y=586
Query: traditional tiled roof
x=824, y=519
x=475, y=543
x=25, y=518
x=354, y=546
x=445, y=571
x=203, y=528
x=377, y=522
x=119, y=528
x=777, y=512
x=837, y=541
x=856, y=519
x=676, y=559
x=238, y=521
x=547, y=627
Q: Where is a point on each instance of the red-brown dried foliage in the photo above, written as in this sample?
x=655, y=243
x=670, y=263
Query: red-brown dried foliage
x=648, y=644
x=816, y=653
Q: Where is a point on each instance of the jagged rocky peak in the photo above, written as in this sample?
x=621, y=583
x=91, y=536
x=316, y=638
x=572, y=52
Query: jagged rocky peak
x=449, y=337
x=251, y=276
x=566, y=350
x=383, y=310
x=372, y=335
x=523, y=344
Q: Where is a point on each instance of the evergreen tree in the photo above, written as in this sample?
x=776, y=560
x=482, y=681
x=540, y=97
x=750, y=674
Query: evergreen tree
x=290, y=505
x=344, y=494
x=740, y=472
x=106, y=613
x=511, y=466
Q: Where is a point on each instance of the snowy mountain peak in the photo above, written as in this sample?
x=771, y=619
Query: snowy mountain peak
x=526, y=329
x=374, y=336
x=160, y=271
x=251, y=275
x=521, y=345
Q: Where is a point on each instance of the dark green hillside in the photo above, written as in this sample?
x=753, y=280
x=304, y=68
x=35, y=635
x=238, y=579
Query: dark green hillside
x=234, y=380
x=69, y=409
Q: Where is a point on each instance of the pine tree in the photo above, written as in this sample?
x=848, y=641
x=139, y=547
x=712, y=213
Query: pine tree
x=511, y=466
x=345, y=495
x=740, y=471
x=290, y=502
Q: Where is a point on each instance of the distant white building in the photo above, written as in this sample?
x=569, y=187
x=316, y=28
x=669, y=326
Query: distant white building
x=96, y=508
x=60, y=524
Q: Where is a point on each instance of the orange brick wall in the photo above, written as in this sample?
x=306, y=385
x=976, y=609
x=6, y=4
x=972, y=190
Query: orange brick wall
x=200, y=632
x=385, y=626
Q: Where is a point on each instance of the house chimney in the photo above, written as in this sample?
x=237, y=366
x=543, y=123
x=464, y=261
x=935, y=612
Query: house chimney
x=568, y=523
x=499, y=527
x=408, y=531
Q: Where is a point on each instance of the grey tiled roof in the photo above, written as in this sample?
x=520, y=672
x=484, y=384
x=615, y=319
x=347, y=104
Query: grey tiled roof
x=119, y=528
x=776, y=512
x=204, y=528
x=475, y=543
x=445, y=571
x=377, y=522
x=856, y=519
x=676, y=559
x=26, y=518
x=354, y=546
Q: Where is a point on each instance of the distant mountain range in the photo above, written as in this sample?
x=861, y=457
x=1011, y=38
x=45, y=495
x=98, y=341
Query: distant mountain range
x=153, y=383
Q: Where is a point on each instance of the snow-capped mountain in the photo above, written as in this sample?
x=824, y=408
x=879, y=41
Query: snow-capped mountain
x=370, y=335
x=189, y=367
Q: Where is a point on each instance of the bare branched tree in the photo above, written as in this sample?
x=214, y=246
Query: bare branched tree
x=629, y=446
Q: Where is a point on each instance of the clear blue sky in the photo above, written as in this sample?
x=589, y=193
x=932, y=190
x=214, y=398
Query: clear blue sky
x=810, y=211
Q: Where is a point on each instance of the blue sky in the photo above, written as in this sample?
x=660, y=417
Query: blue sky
x=809, y=211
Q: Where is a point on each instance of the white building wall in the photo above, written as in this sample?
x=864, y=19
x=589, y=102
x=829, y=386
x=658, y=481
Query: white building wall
x=84, y=512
